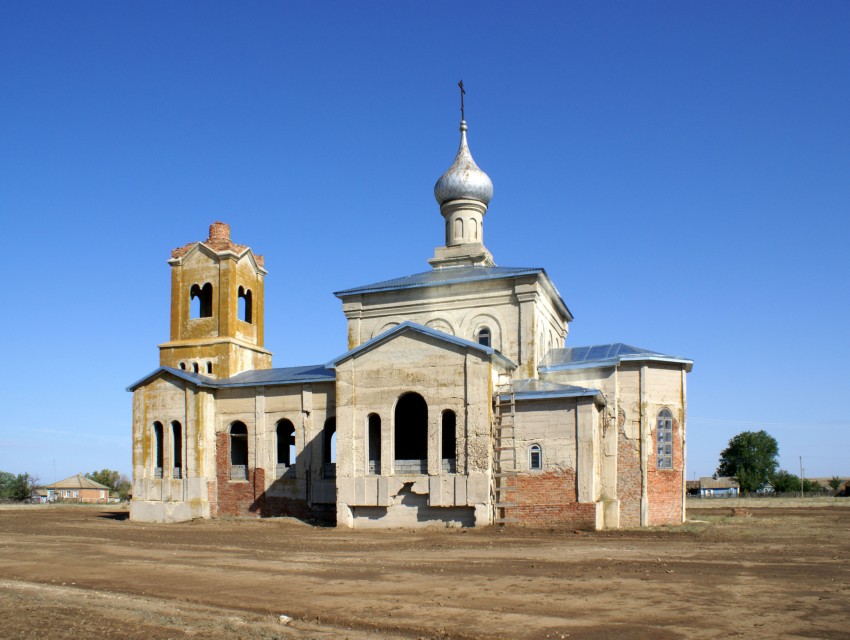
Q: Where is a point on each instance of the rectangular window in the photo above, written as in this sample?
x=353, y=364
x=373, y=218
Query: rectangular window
x=664, y=439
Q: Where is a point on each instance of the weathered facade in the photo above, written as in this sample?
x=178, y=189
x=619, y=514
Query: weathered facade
x=457, y=402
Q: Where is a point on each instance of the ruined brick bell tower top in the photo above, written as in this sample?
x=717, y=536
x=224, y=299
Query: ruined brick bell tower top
x=219, y=231
x=217, y=304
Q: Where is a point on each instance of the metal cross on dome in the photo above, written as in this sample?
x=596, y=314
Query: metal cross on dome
x=462, y=91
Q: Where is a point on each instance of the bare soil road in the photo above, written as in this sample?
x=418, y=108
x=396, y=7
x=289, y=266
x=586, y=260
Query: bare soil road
x=86, y=573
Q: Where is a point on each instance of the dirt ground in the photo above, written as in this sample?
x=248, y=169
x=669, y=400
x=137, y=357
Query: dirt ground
x=85, y=572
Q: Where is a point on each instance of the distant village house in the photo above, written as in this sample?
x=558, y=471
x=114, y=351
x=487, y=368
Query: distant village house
x=77, y=488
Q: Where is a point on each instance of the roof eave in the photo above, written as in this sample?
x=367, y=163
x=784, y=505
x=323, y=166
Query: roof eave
x=613, y=362
x=419, y=285
x=205, y=248
x=178, y=373
x=689, y=364
x=274, y=383
x=555, y=295
x=596, y=394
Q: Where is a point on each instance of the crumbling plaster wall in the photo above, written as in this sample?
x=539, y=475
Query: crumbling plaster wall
x=550, y=424
x=567, y=488
x=307, y=407
x=448, y=377
x=168, y=499
x=643, y=390
x=635, y=491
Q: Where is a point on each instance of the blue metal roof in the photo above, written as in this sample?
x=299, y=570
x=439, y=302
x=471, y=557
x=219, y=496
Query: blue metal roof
x=255, y=378
x=531, y=389
x=604, y=355
x=285, y=375
x=459, y=275
x=439, y=335
x=444, y=275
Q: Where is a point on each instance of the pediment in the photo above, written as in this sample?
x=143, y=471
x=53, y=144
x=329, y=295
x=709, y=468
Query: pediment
x=426, y=338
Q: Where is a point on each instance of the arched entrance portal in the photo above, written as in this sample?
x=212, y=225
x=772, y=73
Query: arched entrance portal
x=411, y=435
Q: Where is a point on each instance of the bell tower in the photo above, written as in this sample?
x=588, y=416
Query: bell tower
x=216, y=308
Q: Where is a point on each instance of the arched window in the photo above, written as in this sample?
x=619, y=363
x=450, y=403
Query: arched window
x=157, y=448
x=183, y=366
x=209, y=367
x=200, y=299
x=411, y=434
x=473, y=227
x=449, y=442
x=484, y=337
x=238, y=451
x=245, y=306
x=374, y=443
x=176, y=449
x=285, y=443
x=195, y=367
x=664, y=439
x=329, y=448
x=535, y=457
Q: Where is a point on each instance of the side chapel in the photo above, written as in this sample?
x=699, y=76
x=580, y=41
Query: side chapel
x=457, y=403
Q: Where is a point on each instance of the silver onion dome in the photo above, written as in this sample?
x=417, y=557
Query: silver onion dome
x=463, y=180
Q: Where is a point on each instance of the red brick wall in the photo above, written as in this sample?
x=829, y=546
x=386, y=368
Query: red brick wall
x=212, y=494
x=550, y=498
x=236, y=498
x=243, y=498
x=665, y=486
x=628, y=475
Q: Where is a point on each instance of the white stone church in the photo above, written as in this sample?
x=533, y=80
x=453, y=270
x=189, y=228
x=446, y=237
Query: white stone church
x=458, y=402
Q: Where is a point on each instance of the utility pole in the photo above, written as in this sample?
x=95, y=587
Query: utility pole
x=802, y=480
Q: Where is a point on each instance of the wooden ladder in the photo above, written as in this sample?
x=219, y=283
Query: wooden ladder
x=505, y=483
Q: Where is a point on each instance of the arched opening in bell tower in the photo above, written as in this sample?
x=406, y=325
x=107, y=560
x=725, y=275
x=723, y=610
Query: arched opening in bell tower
x=245, y=306
x=200, y=300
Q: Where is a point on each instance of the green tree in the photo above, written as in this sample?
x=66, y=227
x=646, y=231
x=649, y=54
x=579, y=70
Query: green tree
x=812, y=486
x=22, y=487
x=785, y=482
x=835, y=483
x=117, y=482
x=750, y=458
x=6, y=481
x=106, y=477
x=16, y=487
x=123, y=487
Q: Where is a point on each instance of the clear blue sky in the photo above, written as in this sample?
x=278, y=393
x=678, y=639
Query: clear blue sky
x=680, y=170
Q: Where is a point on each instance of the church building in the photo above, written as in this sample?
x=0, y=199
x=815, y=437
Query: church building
x=458, y=402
